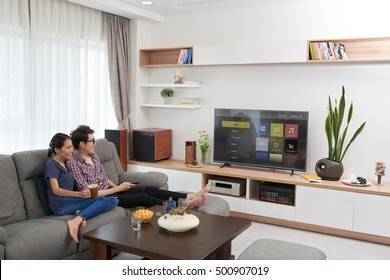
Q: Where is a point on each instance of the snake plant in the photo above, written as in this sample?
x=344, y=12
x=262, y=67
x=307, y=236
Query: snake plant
x=334, y=133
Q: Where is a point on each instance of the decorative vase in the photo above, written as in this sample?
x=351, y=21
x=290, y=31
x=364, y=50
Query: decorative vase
x=329, y=169
x=167, y=100
x=203, y=155
x=179, y=77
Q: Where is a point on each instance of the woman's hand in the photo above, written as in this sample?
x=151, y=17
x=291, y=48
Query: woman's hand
x=85, y=193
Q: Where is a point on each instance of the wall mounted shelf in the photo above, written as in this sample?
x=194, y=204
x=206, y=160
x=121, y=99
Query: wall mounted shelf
x=171, y=85
x=171, y=106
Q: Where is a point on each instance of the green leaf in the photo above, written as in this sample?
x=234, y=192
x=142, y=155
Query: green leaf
x=333, y=128
x=329, y=132
x=357, y=132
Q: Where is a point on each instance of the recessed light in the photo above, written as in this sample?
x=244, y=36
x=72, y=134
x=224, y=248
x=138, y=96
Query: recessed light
x=146, y=2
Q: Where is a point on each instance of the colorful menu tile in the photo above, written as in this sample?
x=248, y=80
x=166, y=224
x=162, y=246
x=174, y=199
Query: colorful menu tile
x=276, y=130
x=276, y=145
x=262, y=144
x=263, y=129
x=291, y=130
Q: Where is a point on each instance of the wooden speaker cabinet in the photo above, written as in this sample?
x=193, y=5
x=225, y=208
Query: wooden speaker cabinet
x=152, y=144
x=190, y=152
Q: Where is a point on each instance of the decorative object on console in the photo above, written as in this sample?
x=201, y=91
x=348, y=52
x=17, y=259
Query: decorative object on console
x=204, y=144
x=379, y=172
x=167, y=93
x=190, y=152
x=331, y=168
x=179, y=77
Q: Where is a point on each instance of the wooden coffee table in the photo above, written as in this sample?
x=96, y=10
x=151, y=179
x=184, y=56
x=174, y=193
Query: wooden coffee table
x=210, y=239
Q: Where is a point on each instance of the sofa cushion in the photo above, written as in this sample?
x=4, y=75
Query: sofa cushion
x=40, y=239
x=30, y=164
x=150, y=178
x=2, y=251
x=40, y=185
x=11, y=199
x=3, y=235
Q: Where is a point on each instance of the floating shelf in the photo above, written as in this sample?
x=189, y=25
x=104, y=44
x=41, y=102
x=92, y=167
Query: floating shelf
x=162, y=57
x=171, y=85
x=172, y=106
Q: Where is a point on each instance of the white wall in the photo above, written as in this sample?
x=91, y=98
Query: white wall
x=293, y=87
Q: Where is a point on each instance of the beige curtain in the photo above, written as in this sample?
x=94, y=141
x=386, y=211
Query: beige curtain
x=118, y=43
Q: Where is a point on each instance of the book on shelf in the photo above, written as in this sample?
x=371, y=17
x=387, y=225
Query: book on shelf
x=190, y=101
x=185, y=56
x=327, y=50
x=309, y=176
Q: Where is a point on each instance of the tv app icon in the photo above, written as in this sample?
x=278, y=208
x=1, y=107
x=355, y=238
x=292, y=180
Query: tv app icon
x=263, y=129
x=291, y=146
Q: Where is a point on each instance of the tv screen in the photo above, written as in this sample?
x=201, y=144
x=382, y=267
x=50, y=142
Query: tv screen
x=261, y=138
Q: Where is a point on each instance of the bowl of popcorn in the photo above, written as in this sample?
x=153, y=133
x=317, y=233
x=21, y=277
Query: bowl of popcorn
x=144, y=214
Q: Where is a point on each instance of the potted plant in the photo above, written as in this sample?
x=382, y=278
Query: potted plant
x=167, y=93
x=331, y=168
x=204, y=144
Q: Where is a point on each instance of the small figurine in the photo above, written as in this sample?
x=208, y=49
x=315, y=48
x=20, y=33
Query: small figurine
x=170, y=204
x=379, y=171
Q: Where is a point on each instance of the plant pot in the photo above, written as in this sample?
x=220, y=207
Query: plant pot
x=167, y=99
x=329, y=170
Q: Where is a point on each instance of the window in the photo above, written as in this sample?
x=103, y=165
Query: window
x=53, y=72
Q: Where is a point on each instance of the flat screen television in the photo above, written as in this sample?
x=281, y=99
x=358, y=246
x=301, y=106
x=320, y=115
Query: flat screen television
x=261, y=138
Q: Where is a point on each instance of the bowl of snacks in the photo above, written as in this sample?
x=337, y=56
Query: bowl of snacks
x=144, y=214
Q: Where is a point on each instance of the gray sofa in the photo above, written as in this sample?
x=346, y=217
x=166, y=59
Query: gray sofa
x=27, y=230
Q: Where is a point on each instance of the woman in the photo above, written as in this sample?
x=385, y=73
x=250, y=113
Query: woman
x=63, y=200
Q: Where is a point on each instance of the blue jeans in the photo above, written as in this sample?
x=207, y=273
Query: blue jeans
x=86, y=207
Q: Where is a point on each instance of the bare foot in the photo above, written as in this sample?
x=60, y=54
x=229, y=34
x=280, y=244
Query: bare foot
x=73, y=226
x=83, y=224
x=203, y=191
x=198, y=201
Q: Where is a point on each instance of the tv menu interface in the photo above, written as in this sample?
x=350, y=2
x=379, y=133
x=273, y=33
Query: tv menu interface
x=274, y=139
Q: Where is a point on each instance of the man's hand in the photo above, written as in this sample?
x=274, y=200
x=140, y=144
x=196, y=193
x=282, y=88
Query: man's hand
x=125, y=186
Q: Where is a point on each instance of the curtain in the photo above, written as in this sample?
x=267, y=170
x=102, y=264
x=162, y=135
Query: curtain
x=65, y=79
x=14, y=74
x=118, y=36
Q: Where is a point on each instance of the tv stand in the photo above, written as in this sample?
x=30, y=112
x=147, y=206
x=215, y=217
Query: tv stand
x=329, y=207
x=225, y=165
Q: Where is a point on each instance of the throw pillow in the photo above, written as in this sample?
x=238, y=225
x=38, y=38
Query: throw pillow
x=40, y=185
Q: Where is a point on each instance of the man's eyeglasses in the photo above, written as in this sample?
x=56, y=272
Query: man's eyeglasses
x=93, y=140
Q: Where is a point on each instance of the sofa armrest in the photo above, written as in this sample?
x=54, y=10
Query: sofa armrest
x=3, y=235
x=150, y=178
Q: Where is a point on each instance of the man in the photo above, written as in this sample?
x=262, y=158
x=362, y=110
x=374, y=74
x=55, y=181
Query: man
x=87, y=169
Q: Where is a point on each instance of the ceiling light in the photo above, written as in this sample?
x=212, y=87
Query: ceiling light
x=146, y=2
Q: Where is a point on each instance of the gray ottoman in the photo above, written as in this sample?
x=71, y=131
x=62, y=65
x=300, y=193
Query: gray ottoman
x=216, y=206
x=271, y=249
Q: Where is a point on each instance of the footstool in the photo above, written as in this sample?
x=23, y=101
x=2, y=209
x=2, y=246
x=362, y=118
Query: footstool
x=271, y=249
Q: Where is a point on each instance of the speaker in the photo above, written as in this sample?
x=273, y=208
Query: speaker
x=119, y=138
x=190, y=152
x=152, y=144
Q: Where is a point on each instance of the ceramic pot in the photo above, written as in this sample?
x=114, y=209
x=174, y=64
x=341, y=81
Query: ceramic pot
x=167, y=99
x=329, y=170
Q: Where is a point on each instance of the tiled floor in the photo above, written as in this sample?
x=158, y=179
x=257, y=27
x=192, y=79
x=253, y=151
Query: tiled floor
x=335, y=248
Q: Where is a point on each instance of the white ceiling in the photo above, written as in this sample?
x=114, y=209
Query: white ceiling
x=161, y=8
x=174, y=7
